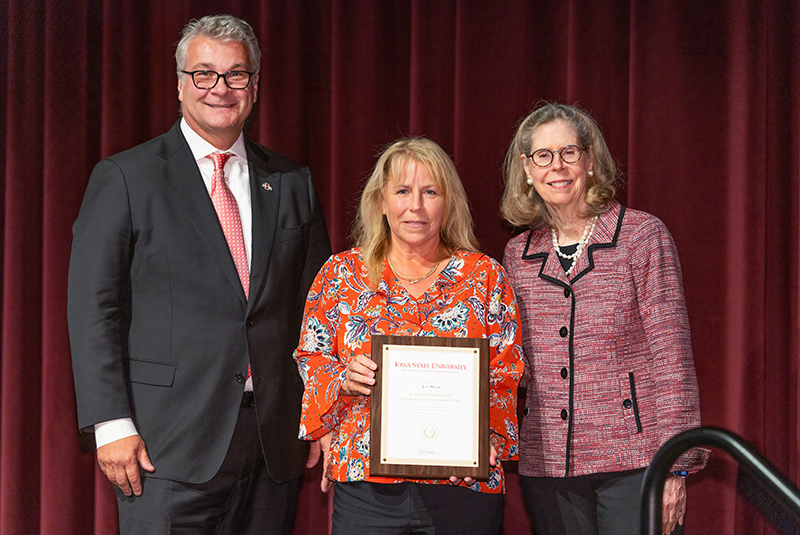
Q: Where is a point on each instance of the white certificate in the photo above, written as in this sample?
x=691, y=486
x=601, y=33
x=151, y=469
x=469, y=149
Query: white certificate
x=428, y=407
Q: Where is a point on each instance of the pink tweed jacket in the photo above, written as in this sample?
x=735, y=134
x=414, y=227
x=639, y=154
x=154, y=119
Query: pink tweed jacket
x=612, y=376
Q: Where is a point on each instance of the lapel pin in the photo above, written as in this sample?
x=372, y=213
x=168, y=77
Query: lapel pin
x=266, y=186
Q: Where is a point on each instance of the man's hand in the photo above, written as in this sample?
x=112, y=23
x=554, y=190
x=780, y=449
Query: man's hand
x=120, y=461
x=360, y=376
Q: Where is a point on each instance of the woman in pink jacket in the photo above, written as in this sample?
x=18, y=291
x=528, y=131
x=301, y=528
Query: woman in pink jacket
x=604, y=329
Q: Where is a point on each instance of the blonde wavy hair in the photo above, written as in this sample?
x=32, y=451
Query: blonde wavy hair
x=371, y=230
x=521, y=206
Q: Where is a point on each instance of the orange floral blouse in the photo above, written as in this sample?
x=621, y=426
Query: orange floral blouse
x=471, y=297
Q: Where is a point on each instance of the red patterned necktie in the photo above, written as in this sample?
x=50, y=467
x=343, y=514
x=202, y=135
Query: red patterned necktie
x=228, y=214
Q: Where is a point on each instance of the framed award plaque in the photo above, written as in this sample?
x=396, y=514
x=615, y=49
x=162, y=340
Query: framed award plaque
x=430, y=407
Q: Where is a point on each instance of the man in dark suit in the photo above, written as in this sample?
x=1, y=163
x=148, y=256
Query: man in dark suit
x=182, y=322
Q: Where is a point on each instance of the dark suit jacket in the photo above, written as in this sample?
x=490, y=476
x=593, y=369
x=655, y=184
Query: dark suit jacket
x=160, y=328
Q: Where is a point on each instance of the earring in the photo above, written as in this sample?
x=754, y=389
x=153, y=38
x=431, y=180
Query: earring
x=530, y=181
x=590, y=173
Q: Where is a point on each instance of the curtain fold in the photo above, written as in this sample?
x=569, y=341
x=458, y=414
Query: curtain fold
x=21, y=366
x=699, y=103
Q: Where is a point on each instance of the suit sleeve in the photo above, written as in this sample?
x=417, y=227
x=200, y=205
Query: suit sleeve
x=662, y=308
x=319, y=245
x=98, y=296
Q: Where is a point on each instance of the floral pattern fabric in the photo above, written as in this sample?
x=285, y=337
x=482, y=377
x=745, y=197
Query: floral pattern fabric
x=471, y=297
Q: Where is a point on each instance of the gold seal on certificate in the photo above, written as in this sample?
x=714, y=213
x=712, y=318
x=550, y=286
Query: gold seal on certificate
x=429, y=416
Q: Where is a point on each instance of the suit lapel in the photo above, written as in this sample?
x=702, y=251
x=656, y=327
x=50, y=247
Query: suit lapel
x=186, y=184
x=539, y=245
x=604, y=236
x=538, y=248
x=265, y=188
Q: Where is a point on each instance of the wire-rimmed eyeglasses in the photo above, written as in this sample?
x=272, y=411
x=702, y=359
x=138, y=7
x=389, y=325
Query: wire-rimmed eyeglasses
x=544, y=157
x=208, y=79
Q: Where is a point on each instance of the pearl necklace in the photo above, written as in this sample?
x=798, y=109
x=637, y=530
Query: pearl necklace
x=413, y=280
x=587, y=234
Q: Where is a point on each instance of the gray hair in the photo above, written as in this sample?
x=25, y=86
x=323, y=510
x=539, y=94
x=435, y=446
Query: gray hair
x=221, y=28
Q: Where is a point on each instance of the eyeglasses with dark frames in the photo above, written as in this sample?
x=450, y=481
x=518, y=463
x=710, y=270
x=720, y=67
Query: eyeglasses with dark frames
x=208, y=79
x=544, y=157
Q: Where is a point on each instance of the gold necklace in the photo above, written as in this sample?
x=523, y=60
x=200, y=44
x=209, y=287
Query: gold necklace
x=413, y=280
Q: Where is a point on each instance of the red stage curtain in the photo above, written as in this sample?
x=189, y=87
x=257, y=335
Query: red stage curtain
x=699, y=102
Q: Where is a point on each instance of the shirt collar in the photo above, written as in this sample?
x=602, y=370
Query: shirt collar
x=201, y=148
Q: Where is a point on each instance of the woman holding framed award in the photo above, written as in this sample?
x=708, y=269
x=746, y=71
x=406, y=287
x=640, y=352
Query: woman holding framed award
x=415, y=271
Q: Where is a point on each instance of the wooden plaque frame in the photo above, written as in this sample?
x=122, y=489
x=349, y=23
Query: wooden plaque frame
x=420, y=468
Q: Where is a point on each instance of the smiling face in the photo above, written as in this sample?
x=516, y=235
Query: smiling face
x=414, y=208
x=216, y=114
x=562, y=186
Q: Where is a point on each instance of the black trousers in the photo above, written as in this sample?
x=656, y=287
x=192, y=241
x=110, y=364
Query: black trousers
x=240, y=499
x=363, y=508
x=597, y=504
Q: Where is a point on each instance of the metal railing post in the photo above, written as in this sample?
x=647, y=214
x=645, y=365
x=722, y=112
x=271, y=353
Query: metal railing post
x=777, y=484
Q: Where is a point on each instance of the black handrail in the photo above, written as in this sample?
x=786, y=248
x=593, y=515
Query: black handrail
x=778, y=485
